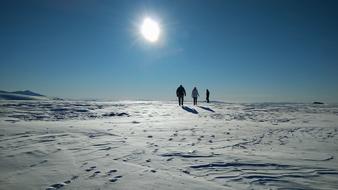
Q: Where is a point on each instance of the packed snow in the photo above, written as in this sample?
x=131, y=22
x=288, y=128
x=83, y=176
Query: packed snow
x=159, y=145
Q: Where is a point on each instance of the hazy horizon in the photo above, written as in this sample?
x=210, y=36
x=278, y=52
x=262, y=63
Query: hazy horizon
x=186, y=99
x=242, y=51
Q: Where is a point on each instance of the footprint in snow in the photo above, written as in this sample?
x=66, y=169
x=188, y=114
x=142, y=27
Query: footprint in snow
x=56, y=186
x=109, y=173
x=60, y=185
x=84, y=164
x=114, y=179
x=90, y=169
x=94, y=174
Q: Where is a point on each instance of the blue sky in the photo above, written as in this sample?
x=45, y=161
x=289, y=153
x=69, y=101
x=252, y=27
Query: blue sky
x=248, y=51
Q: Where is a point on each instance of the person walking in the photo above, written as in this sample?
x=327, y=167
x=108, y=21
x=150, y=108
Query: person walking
x=180, y=93
x=207, y=95
x=194, y=95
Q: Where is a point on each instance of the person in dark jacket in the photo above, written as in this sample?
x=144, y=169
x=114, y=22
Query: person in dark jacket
x=207, y=95
x=180, y=93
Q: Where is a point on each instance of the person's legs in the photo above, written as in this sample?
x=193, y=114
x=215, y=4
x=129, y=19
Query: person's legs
x=182, y=100
x=179, y=101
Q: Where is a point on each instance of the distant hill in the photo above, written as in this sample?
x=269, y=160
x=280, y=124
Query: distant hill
x=22, y=95
x=27, y=92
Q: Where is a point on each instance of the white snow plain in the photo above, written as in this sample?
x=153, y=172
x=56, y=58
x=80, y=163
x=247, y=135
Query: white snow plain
x=158, y=145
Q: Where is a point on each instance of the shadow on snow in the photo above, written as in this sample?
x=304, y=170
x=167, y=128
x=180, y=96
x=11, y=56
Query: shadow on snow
x=206, y=108
x=191, y=110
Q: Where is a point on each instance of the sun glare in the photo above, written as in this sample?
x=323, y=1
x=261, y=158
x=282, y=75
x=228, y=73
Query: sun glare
x=150, y=30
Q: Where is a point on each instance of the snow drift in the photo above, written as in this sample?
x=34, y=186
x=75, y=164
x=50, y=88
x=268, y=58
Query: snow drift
x=159, y=145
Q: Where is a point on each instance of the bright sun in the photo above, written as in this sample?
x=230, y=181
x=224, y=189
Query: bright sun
x=150, y=30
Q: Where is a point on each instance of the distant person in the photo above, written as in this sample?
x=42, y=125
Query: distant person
x=180, y=93
x=207, y=95
x=194, y=95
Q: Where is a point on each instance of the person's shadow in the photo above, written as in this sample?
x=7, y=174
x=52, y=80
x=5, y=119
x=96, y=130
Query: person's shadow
x=206, y=108
x=191, y=110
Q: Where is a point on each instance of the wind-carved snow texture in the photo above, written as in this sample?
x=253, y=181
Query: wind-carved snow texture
x=159, y=145
x=48, y=111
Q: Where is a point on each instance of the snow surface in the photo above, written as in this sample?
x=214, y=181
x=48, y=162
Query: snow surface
x=158, y=145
